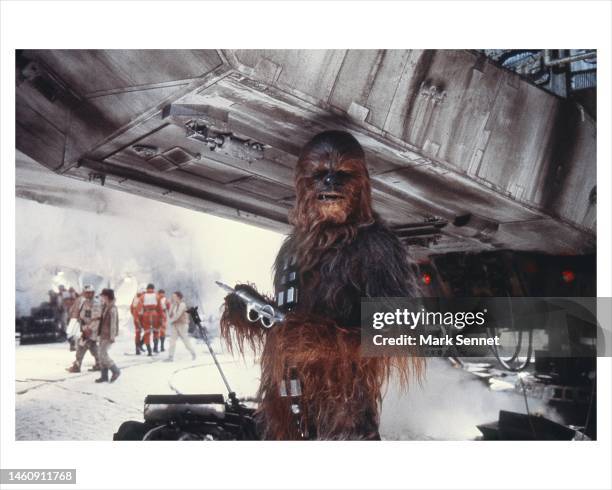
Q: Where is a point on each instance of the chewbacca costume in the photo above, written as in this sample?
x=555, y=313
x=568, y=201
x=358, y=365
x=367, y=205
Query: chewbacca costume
x=338, y=252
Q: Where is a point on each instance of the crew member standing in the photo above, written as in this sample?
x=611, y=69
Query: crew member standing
x=179, y=325
x=107, y=331
x=84, y=310
x=54, y=301
x=61, y=295
x=64, y=304
x=74, y=314
x=165, y=306
x=68, y=299
x=149, y=307
x=138, y=339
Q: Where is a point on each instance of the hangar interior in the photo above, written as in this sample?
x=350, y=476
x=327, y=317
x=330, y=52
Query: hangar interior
x=469, y=151
x=483, y=161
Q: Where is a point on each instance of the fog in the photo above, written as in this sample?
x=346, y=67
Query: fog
x=448, y=404
x=77, y=233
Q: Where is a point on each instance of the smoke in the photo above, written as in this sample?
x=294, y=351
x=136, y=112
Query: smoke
x=107, y=238
x=448, y=405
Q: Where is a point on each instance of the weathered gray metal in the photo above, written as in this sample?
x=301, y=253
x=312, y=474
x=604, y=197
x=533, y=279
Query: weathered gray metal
x=448, y=135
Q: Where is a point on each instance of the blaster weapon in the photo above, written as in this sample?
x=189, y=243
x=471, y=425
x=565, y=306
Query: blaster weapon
x=256, y=309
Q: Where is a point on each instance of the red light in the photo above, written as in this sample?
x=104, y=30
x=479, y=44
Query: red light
x=426, y=278
x=568, y=276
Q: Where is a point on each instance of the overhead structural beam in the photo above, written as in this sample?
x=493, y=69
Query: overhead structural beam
x=549, y=61
x=171, y=182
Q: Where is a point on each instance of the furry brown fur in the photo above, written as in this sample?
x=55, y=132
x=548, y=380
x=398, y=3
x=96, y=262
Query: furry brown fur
x=343, y=252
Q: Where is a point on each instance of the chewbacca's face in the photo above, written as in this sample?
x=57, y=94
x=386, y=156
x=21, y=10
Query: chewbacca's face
x=332, y=181
x=333, y=189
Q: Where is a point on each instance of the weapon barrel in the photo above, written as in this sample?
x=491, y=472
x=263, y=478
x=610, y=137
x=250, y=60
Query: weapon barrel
x=256, y=305
x=225, y=287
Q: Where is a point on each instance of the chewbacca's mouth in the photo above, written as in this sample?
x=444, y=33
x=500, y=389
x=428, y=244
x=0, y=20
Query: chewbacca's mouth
x=329, y=196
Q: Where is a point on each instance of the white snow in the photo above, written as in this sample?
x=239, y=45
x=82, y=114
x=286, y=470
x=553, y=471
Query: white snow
x=53, y=404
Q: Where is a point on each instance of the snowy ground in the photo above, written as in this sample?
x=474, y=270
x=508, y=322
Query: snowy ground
x=53, y=404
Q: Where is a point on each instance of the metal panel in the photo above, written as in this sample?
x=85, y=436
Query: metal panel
x=356, y=76
x=44, y=142
x=446, y=134
x=311, y=72
x=90, y=70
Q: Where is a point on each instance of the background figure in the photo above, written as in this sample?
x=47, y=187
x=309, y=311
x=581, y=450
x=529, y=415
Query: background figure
x=107, y=331
x=59, y=304
x=179, y=324
x=68, y=297
x=55, y=303
x=53, y=299
x=138, y=339
x=165, y=308
x=84, y=311
x=150, y=311
x=71, y=301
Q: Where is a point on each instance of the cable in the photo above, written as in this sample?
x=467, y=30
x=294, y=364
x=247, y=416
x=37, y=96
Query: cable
x=519, y=344
x=521, y=367
x=505, y=363
x=527, y=407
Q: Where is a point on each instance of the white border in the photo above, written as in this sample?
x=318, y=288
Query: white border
x=303, y=25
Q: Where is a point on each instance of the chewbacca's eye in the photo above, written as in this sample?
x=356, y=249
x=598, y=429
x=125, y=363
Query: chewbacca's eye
x=341, y=176
x=320, y=175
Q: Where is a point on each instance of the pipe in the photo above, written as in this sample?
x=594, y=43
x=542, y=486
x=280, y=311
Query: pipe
x=548, y=61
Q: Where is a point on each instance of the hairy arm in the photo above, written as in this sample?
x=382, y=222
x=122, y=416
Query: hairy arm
x=236, y=330
x=388, y=273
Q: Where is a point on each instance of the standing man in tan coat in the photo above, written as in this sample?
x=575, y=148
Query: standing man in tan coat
x=84, y=310
x=178, y=319
x=107, y=331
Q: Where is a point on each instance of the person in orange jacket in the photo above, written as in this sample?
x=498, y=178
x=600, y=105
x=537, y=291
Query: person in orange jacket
x=165, y=305
x=138, y=339
x=150, y=310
